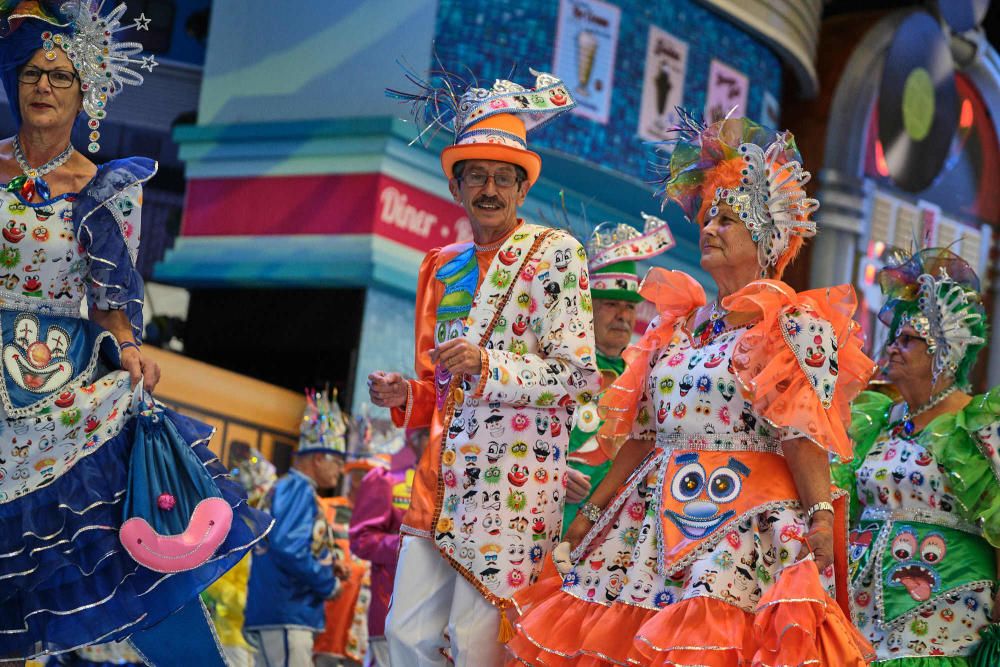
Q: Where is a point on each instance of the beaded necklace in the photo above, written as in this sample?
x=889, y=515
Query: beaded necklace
x=907, y=426
x=30, y=182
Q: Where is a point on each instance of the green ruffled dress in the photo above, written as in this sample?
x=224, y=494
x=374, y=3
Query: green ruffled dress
x=925, y=523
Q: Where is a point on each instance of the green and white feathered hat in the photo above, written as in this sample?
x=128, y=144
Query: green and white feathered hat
x=613, y=250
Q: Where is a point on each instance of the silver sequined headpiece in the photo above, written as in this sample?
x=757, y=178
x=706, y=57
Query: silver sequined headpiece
x=944, y=321
x=104, y=64
x=937, y=293
x=770, y=199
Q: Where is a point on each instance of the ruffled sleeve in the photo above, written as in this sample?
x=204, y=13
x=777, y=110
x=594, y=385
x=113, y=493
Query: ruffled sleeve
x=107, y=219
x=966, y=445
x=869, y=418
x=802, y=361
x=675, y=294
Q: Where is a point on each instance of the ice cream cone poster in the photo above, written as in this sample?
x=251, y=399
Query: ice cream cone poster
x=662, y=84
x=586, y=42
x=727, y=88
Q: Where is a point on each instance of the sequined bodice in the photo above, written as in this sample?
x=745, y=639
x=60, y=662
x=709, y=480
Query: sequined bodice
x=693, y=390
x=39, y=254
x=901, y=474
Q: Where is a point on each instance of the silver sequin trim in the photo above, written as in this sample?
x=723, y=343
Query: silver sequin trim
x=728, y=442
x=933, y=517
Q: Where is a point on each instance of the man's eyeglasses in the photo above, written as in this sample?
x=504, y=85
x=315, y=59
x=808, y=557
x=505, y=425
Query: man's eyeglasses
x=58, y=78
x=502, y=179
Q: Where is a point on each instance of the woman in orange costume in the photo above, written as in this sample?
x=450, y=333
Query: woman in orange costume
x=712, y=539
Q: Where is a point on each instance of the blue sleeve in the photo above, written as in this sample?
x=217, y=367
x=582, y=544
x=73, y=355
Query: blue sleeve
x=107, y=215
x=290, y=541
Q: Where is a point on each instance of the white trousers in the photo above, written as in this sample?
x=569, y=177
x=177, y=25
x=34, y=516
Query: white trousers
x=378, y=652
x=435, y=609
x=291, y=647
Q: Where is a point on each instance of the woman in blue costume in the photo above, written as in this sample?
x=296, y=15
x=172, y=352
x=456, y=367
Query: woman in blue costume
x=72, y=389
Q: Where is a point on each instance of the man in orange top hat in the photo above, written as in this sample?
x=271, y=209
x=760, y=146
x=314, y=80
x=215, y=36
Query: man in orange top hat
x=504, y=352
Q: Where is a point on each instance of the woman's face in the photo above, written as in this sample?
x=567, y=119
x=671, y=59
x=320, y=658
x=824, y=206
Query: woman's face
x=46, y=106
x=725, y=242
x=908, y=362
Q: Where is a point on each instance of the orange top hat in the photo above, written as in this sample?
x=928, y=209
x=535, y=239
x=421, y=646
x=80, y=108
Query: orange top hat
x=500, y=138
x=489, y=124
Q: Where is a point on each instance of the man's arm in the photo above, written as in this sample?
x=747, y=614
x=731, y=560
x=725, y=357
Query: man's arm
x=417, y=409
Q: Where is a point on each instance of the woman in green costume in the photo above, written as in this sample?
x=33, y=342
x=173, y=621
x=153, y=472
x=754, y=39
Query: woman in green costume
x=926, y=472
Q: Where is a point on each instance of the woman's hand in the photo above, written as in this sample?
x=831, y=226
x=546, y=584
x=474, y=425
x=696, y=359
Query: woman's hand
x=577, y=486
x=139, y=367
x=574, y=535
x=577, y=530
x=820, y=540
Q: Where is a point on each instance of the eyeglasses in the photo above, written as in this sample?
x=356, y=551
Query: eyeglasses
x=904, y=340
x=58, y=78
x=502, y=179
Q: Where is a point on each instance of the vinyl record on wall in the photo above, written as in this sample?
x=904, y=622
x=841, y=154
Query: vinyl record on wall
x=918, y=104
x=963, y=15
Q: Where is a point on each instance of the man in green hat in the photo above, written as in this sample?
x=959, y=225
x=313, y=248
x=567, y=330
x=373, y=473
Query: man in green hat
x=613, y=252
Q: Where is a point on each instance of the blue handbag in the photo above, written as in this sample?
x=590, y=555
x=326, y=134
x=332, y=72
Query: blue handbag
x=174, y=515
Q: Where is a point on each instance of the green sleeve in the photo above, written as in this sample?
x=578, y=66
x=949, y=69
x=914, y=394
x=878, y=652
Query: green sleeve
x=869, y=418
x=967, y=445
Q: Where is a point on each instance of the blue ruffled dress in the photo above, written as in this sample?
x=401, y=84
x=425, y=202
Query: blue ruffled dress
x=67, y=425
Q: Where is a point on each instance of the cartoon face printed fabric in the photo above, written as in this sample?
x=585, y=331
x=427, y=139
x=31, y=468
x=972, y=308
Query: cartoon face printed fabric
x=504, y=448
x=920, y=574
x=57, y=409
x=40, y=255
x=713, y=511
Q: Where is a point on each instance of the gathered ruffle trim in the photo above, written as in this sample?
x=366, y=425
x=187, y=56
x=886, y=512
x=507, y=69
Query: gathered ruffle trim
x=781, y=392
x=954, y=442
x=113, y=281
x=675, y=294
x=795, y=623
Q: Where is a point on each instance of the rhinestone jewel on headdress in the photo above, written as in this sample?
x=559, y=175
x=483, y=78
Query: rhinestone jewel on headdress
x=947, y=321
x=101, y=62
x=937, y=293
x=770, y=199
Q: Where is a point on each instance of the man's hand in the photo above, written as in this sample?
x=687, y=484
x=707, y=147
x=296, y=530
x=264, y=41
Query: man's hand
x=459, y=356
x=820, y=540
x=577, y=486
x=140, y=368
x=387, y=390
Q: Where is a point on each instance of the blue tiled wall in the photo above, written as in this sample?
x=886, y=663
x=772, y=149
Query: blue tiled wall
x=489, y=37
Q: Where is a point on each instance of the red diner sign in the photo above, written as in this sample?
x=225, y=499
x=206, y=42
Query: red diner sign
x=417, y=219
x=323, y=204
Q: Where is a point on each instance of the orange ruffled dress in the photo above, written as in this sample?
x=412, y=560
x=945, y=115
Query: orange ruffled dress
x=694, y=560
